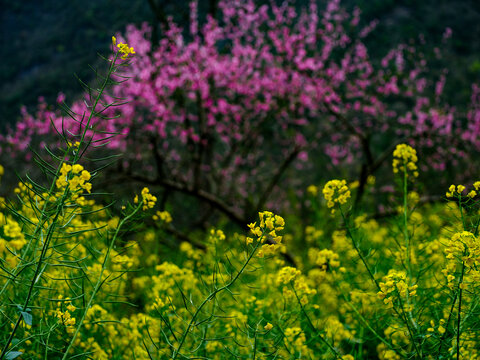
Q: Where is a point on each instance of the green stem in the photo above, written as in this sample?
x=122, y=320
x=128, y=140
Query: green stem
x=362, y=318
x=460, y=290
x=407, y=242
x=402, y=313
x=447, y=324
x=99, y=281
x=461, y=212
x=310, y=323
x=110, y=71
x=460, y=281
x=211, y=296
x=459, y=310
x=255, y=345
x=45, y=248
x=350, y=235
x=46, y=216
x=405, y=226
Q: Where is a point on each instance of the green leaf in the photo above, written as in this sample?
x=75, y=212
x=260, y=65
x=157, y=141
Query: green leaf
x=27, y=317
x=13, y=355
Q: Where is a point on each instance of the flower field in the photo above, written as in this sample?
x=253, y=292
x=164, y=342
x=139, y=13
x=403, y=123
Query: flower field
x=254, y=187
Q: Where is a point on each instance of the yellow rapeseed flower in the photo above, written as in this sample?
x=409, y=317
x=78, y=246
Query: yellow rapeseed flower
x=405, y=160
x=457, y=191
x=268, y=327
x=163, y=216
x=336, y=191
x=148, y=199
x=123, y=48
x=313, y=190
x=76, y=177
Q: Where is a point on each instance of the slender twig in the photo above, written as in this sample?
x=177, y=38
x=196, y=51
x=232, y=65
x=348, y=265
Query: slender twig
x=405, y=224
x=459, y=309
x=99, y=280
x=212, y=296
x=365, y=322
x=276, y=178
x=45, y=216
x=310, y=323
x=350, y=235
x=199, y=193
x=402, y=313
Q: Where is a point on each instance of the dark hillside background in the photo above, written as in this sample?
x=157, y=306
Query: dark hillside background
x=44, y=42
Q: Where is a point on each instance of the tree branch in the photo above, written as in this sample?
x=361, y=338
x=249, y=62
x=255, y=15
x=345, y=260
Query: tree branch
x=276, y=178
x=198, y=193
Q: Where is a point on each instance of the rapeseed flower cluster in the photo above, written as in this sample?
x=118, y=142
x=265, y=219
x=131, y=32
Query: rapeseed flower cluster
x=123, y=48
x=268, y=326
x=336, y=330
x=64, y=313
x=163, y=216
x=295, y=341
x=289, y=275
x=216, y=235
x=313, y=235
x=398, y=336
x=13, y=232
x=462, y=250
x=405, y=160
x=266, y=231
x=149, y=201
x=456, y=191
x=395, y=285
x=325, y=259
x=77, y=179
x=312, y=190
x=440, y=328
x=336, y=192
x=74, y=145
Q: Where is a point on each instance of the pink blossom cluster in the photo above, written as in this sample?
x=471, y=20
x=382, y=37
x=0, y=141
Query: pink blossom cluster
x=223, y=106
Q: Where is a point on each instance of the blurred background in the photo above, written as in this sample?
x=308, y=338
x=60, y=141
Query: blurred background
x=45, y=42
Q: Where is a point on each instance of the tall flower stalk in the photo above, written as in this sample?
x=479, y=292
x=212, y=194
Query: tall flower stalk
x=65, y=191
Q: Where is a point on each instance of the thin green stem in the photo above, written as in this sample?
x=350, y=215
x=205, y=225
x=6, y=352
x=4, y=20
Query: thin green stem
x=362, y=318
x=458, y=292
x=447, y=323
x=350, y=235
x=459, y=310
x=405, y=225
x=255, y=345
x=39, y=226
x=176, y=352
x=402, y=313
x=462, y=217
x=45, y=248
x=310, y=323
x=97, y=100
x=99, y=280
x=45, y=216
x=407, y=242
